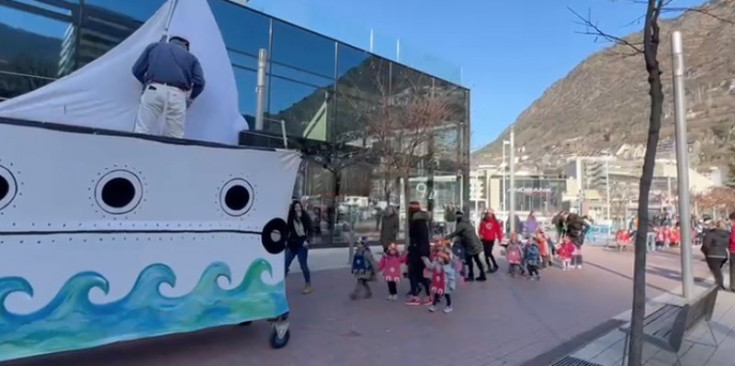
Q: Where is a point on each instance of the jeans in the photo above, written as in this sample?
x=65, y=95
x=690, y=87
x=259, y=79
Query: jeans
x=715, y=266
x=303, y=254
x=650, y=242
x=157, y=100
x=532, y=270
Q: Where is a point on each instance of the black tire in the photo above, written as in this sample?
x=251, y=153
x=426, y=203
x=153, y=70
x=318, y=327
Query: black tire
x=278, y=343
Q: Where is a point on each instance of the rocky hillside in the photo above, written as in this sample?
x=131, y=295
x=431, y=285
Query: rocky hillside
x=603, y=103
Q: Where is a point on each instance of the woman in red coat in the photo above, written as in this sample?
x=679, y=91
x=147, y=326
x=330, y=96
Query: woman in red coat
x=490, y=230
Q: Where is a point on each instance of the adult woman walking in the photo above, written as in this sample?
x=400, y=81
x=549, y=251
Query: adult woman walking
x=472, y=247
x=715, y=247
x=490, y=230
x=389, y=226
x=297, y=244
x=529, y=228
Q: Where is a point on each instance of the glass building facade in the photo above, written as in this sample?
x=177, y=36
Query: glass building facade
x=317, y=86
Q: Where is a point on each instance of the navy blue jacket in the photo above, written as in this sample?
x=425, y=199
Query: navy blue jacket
x=170, y=64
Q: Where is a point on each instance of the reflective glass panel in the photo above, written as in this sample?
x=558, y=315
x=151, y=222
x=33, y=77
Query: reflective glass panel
x=301, y=49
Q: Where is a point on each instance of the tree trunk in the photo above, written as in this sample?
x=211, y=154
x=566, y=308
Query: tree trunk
x=650, y=50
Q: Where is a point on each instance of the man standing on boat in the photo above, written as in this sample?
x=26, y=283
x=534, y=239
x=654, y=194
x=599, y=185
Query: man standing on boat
x=172, y=78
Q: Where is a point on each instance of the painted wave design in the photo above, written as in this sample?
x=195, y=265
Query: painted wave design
x=71, y=321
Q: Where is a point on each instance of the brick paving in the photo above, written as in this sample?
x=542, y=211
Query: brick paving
x=503, y=321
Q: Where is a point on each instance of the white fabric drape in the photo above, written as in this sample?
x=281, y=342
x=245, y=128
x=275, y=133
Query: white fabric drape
x=104, y=94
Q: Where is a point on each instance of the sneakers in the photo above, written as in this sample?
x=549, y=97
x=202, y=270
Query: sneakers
x=579, y=266
x=414, y=301
x=308, y=289
x=447, y=310
x=432, y=308
x=392, y=298
x=481, y=278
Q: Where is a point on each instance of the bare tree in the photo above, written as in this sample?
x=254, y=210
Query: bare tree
x=648, y=47
x=402, y=124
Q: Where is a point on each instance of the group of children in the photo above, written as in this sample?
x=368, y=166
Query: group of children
x=442, y=268
x=445, y=269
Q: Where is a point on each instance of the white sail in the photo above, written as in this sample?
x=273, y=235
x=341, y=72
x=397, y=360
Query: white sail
x=104, y=94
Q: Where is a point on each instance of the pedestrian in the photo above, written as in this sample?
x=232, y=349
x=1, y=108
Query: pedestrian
x=490, y=230
x=544, y=249
x=297, y=243
x=418, y=246
x=715, y=248
x=390, y=265
x=389, y=227
x=364, y=269
x=450, y=217
x=532, y=258
x=443, y=276
x=732, y=251
x=467, y=236
x=565, y=252
x=529, y=228
x=172, y=79
x=514, y=254
x=576, y=228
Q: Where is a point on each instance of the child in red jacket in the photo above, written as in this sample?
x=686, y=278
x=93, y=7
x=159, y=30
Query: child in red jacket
x=390, y=266
x=566, y=250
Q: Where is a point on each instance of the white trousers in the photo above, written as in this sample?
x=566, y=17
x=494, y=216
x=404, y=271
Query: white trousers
x=157, y=100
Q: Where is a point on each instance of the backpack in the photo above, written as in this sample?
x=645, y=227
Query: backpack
x=533, y=255
x=360, y=264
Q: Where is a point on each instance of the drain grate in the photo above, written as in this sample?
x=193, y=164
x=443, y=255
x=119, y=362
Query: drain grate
x=573, y=361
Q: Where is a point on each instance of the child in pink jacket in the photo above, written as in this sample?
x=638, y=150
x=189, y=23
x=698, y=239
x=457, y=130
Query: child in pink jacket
x=390, y=265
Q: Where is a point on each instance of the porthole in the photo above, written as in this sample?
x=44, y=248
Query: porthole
x=274, y=235
x=118, y=192
x=8, y=187
x=236, y=197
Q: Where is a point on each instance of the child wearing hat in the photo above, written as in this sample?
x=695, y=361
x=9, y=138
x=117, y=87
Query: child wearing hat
x=364, y=268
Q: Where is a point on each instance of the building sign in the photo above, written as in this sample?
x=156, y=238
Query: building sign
x=533, y=191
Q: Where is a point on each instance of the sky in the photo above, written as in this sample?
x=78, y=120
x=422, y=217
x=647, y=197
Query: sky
x=506, y=51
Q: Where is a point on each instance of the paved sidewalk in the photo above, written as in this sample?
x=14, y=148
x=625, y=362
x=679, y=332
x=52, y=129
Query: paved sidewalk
x=503, y=321
x=698, y=348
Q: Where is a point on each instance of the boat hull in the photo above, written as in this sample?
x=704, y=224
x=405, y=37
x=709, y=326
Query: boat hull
x=107, y=237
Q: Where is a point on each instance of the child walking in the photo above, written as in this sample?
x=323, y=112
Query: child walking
x=532, y=257
x=514, y=253
x=566, y=251
x=364, y=269
x=443, y=277
x=390, y=265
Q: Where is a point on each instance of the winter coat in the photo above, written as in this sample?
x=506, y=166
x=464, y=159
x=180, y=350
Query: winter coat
x=389, y=227
x=514, y=253
x=530, y=226
x=443, y=277
x=491, y=230
x=296, y=242
x=732, y=239
x=716, y=243
x=418, y=231
x=467, y=236
x=566, y=250
x=364, y=266
x=390, y=265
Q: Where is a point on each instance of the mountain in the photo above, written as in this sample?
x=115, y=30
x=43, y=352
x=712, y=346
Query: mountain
x=602, y=104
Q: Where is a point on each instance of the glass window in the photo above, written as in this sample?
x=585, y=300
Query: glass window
x=244, y=31
x=246, y=83
x=32, y=52
x=139, y=10
x=103, y=28
x=305, y=109
x=301, y=49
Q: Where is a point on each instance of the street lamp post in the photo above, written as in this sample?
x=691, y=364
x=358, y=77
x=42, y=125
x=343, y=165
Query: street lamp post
x=512, y=211
x=607, y=186
x=505, y=142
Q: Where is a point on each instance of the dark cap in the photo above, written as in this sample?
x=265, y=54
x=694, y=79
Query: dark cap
x=181, y=40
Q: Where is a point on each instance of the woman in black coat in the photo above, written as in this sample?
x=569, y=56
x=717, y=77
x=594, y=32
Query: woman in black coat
x=715, y=248
x=297, y=244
